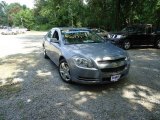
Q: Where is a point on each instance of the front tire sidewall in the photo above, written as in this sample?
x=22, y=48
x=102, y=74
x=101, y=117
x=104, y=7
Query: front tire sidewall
x=65, y=62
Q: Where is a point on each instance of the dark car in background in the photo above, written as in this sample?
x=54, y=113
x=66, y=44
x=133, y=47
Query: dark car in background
x=100, y=32
x=84, y=57
x=136, y=35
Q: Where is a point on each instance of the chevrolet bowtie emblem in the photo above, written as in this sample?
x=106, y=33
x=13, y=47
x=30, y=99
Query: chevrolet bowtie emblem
x=114, y=64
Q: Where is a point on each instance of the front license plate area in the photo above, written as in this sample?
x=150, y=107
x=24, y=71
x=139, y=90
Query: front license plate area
x=115, y=78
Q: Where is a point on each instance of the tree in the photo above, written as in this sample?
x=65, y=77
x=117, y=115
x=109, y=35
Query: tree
x=3, y=13
x=107, y=14
x=25, y=18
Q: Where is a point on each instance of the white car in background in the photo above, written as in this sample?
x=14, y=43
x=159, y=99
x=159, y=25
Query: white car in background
x=8, y=31
x=23, y=30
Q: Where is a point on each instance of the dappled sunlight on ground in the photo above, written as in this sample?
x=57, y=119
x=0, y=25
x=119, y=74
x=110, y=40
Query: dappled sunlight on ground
x=83, y=114
x=43, y=74
x=145, y=96
x=12, y=65
x=84, y=96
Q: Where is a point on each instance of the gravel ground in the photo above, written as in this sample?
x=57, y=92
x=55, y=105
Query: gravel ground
x=31, y=89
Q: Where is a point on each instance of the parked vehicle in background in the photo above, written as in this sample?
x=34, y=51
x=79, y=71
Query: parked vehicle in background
x=136, y=35
x=8, y=31
x=101, y=32
x=23, y=30
x=12, y=31
x=20, y=30
x=84, y=57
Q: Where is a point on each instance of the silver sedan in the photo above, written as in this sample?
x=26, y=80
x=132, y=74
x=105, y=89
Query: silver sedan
x=83, y=56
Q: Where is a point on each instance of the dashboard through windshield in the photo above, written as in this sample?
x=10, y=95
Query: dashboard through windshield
x=80, y=37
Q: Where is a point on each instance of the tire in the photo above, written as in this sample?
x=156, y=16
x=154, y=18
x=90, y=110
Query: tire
x=105, y=37
x=45, y=54
x=126, y=45
x=64, y=71
x=157, y=44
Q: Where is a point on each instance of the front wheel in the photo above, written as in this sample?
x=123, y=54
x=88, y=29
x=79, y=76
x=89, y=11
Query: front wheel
x=158, y=44
x=126, y=45
x=64, y=71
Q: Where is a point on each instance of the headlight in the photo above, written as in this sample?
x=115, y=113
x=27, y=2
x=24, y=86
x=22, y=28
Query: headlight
x=83, y=62
x=120, y=36
x=109, y=36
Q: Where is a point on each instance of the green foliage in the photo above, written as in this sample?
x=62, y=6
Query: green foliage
x=16, y=15
x=3, y=12
x=41, y=27
x=24, y=18
x=106, y=14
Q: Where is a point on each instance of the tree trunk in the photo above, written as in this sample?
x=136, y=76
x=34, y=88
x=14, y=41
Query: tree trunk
x=117, y=15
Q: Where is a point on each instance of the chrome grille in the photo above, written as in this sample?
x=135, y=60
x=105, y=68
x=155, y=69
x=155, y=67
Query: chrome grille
x=110, y=61
x=113, y=70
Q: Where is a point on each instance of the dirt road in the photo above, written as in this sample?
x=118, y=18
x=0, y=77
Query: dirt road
x=31, y=89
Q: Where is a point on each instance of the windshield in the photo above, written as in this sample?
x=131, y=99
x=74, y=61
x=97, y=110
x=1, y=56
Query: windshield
x=81, y=37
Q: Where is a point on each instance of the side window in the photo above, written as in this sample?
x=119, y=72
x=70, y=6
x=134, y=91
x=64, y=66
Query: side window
x=49, y=34
x=55, y=35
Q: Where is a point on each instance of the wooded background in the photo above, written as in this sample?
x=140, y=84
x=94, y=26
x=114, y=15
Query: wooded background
x=111, y=15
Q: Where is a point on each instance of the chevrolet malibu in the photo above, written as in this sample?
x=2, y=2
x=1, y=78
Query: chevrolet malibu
x=83, y=56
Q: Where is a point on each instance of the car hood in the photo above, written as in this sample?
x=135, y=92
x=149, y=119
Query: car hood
x=96, y=50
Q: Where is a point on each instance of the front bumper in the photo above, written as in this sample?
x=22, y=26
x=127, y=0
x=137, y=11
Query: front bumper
x=97, y=75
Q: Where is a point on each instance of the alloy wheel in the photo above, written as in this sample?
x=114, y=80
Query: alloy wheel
x=127, y=45
x=64, y=71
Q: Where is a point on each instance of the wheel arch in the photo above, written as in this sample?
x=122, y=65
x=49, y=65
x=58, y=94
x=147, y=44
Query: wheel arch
x=61, y=58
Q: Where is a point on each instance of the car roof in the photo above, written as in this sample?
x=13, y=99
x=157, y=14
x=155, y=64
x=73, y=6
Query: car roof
x=72, y=29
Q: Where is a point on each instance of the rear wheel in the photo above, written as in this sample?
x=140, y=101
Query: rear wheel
x=44, y=53
x=126, y=45
x=158, y=44
x=64, y=71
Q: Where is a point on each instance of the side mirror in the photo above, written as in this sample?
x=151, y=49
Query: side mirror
x=54, y=40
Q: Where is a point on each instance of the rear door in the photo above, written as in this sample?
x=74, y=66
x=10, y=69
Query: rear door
x=149, y=36
x=144, y=35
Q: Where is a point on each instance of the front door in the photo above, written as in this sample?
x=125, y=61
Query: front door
x=55, y=48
